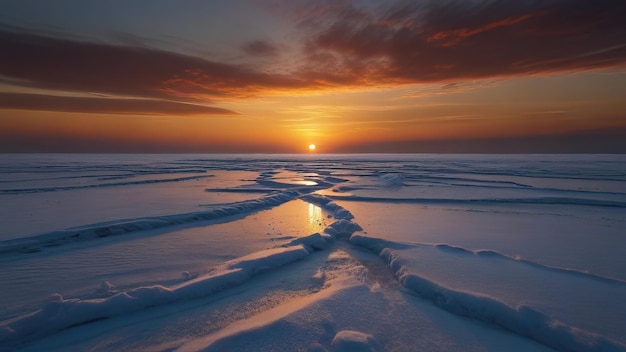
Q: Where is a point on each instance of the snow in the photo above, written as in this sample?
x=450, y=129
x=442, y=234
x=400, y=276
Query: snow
x=348, y=340
x=314, y=253
x=59, y=313
x=57, y=238
x=493, y=288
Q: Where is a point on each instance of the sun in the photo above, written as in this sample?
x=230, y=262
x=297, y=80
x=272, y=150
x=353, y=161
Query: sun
x=311, y=147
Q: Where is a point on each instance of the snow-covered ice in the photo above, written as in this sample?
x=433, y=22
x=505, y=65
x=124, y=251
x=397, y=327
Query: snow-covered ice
x=313, y=252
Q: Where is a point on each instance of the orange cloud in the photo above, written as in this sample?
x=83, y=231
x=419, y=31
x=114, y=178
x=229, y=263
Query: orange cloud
x=454, y=36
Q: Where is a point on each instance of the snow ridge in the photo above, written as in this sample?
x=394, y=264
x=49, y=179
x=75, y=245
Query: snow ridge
x=534, y=200
x=336, y=210
x=100, y=185
x=491, y=253
x=522, y=320
x=343, y=227
x=51, y=239
x=59, y=313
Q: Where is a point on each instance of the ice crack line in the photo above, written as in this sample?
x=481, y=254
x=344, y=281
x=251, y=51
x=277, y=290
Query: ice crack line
x=112, y=184
x=59, y=313
x=52, y=239
x=524, y=320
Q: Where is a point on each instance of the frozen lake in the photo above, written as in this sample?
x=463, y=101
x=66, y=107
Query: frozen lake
x=313, y=252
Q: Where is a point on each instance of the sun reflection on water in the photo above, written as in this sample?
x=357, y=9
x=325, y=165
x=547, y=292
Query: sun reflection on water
x=316, y=218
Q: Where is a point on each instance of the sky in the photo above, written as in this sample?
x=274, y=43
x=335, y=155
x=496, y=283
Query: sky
x=270, y=76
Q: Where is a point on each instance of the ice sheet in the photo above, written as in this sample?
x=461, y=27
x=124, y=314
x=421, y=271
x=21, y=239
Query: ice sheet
x=588, y=239
x=335, y=253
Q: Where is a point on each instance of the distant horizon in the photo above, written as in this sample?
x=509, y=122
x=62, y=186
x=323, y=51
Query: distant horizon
x=301, y=154
x=578, y=144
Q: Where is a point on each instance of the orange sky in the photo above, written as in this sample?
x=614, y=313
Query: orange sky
x=349, y=76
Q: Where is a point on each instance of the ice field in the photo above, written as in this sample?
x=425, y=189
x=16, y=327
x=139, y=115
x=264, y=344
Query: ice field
x=313, y=252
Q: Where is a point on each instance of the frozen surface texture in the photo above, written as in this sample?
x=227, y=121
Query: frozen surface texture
x=313, y=253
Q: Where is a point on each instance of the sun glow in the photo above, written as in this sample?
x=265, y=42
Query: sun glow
x=311, y=147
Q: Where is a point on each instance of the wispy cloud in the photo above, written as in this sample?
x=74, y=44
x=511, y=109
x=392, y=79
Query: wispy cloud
x=53, y=63
x=20, y=101
x=428, y=90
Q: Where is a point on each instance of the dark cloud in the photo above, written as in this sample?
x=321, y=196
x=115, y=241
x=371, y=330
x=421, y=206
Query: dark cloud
x=426, y=41
x=260, y=48
x=62, y=64
x=19, y=101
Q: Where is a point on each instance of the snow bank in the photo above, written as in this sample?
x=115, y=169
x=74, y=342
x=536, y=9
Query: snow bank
x=353, y=341
x=338, y=284
x=312, y=242
x=100, y=185
x=38, y=242
x=522, y=320
x=495, y=254
x=342, y=228
x=336, y=210
x=59, y=313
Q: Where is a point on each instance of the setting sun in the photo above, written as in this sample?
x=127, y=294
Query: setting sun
x=311, y=147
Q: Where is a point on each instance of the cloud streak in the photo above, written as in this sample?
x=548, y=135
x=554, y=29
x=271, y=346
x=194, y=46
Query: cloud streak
x=45, y=62
x=43, y=102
